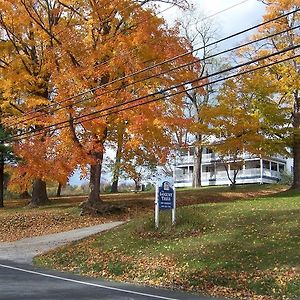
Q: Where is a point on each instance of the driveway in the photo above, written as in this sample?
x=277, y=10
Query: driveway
x=23, y=251
x=20, y=280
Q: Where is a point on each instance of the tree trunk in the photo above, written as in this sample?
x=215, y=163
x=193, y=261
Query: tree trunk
x=94, y=205
x=233, y=182
x=197, y=167
x=58, y=192
x=116, y=171
x=296, y=165
x=296, y=151
x=233, y=179
x=1, y=180
x=137, y=184
x=95, y=173
x=39, y=193
x=115, y=183
x=233, y=186
x=95, y=176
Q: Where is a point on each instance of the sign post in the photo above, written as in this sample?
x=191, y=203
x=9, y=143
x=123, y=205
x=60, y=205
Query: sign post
x=174, y=208
x=156, y=207
x=165, y=198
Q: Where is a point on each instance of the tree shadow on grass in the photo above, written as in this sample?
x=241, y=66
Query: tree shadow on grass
x=287, y=193
x=259, y=241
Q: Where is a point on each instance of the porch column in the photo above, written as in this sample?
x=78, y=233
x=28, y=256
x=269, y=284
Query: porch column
x=261, y=171
x=174, y=171
x=215, y=170
x=229, y=174
x=201, y=173
x=188, y=164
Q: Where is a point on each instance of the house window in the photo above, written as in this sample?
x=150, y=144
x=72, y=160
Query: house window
x=281, y=168
x=192, y=151
x=207, y=151
x=266, y=165
x=273, y=166
x=252, y=165
x=208, y=169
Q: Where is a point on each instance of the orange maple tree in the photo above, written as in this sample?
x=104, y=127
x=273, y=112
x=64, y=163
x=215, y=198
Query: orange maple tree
x=27, y=85
x=92, y=44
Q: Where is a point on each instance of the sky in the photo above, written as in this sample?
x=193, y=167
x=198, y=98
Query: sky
x=229, y=17
x=238, y=15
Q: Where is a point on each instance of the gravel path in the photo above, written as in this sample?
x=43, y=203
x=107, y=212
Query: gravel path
x=24, y=250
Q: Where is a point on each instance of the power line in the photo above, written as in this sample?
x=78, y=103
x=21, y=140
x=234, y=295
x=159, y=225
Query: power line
x=192, y=81
x=154, y=14
x=165, y=72
x=61, y=124
x=234, y=48
x=153, y=66
x=157, y=99
x=225, y=9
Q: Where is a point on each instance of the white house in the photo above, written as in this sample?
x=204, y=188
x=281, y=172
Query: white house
x=255, y=169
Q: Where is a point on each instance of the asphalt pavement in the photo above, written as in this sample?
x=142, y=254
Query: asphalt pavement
x=22, y=281
x=19, y=279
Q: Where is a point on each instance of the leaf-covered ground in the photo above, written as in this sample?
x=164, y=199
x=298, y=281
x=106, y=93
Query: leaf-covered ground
x=243, y=249
x=18, y=221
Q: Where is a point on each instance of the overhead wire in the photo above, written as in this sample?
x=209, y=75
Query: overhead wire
x=154, y=66
x=141, y=22
x=169, y=71
x=192, y=88
x=154, y=100
x=61, y=124
x=136, y=24
x=224, y=10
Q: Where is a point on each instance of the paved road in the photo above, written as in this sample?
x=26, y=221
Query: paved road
x=20, y=280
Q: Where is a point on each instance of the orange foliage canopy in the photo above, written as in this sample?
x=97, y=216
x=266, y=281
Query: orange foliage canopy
x=57, y=49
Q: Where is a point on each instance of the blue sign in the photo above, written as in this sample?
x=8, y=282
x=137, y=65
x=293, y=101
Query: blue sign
x=165, y=196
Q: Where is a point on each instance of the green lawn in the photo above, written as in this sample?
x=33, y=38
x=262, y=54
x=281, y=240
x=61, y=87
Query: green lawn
x=246, y=249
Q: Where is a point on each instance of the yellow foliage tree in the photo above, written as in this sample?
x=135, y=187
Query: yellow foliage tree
x=285, y=76
x=243, y=122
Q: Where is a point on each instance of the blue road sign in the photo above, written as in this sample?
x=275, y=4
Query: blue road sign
x=165, y=196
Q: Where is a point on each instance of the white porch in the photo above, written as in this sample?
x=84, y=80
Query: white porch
x=213, y=173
